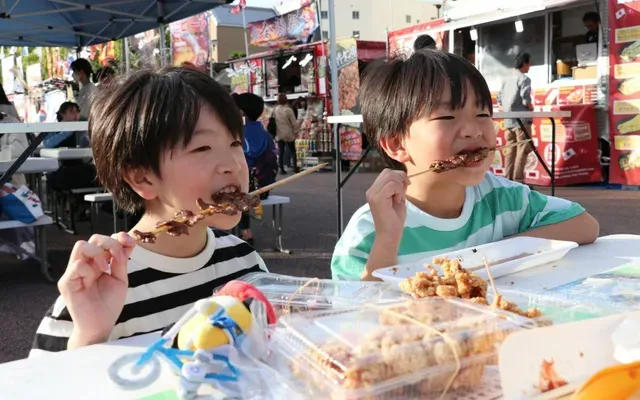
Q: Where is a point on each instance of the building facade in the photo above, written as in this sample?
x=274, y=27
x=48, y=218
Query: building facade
x=369, y=19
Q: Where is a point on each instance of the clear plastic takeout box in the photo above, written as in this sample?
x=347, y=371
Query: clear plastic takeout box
x=290, y=294
x=406, y=350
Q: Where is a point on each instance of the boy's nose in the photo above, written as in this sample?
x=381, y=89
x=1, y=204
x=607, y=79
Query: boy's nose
x=229, y=165
x=471, y=130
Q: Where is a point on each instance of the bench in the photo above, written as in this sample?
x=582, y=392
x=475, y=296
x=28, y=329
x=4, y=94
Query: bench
x=40, y=242
x=277, y=210
x=95, y=199
x=63, y=196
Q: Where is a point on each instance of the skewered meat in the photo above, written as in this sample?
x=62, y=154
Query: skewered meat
x=174, y=228
x=144, y=237
x=462, y=159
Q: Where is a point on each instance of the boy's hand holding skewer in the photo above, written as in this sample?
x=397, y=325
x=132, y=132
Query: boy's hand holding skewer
x=94, y=286
x=386, y=198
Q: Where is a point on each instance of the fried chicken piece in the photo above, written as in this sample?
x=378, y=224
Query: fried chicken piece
x=174, y=228
x=512, y=307
x=480, y=300
x=420, y=286
x=462, y=159
x=446, y=291
x=471, y=285
x=144, y=237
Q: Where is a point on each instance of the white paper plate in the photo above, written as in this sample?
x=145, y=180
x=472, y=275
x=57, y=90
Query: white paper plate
x=499, y=255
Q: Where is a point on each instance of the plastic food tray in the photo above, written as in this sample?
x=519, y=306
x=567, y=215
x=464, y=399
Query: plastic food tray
x=504, y=258
x=389, y=351
x=290, y=294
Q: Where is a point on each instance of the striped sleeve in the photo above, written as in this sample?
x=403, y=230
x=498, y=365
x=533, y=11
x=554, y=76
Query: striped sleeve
x=54, y=330
x=542, y=210
x=352, y=251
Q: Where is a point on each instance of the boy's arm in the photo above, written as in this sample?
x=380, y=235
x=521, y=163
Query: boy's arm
x=555, y=218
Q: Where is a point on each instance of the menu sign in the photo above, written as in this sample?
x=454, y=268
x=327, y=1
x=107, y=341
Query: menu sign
x=566, y=95
x=576, y=148
x=624, y=91
x=348, y=86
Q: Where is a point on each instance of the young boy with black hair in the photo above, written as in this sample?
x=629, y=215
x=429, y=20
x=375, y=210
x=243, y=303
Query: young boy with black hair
x=419, y=110
x=161, y=140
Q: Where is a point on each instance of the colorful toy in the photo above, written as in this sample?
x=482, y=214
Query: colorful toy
x=197, y=347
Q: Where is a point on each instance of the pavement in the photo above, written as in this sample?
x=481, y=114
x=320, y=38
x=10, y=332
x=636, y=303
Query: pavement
x=310, y=223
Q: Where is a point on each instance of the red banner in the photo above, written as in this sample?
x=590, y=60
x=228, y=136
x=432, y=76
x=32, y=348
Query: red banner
x=190, y=40
x=576, y=149
x=290, y=28
x=624, y=91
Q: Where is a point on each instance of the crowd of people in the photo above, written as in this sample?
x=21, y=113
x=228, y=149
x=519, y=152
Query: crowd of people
x=156, y=159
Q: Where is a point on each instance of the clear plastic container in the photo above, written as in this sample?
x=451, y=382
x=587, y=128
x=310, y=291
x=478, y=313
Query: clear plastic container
x=290, y=294
x=413, y=349
x=557, y=308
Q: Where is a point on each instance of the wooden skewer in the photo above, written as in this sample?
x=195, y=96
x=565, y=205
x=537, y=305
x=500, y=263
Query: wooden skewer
x=495, y=149
x=288, y=180
x=207, y=212
x=493, y=284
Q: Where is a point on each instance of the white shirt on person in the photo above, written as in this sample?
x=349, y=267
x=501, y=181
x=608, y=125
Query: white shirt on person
x=161, y=290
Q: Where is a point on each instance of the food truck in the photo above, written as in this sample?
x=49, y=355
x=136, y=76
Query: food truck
x=592, y=73
x=302, y=72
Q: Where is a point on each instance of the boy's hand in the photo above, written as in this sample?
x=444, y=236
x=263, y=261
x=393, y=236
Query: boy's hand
x=386, y=198
x=93, y=295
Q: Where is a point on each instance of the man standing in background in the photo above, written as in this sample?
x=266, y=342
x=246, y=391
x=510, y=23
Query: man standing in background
x=516, y=96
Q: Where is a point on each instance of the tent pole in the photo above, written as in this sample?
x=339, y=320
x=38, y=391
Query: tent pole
x=125, y=43
x=163, y=45
x=335, y=109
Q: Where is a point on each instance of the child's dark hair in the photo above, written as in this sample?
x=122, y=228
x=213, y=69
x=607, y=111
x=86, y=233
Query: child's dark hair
x=250, y=104
x=396, y=93
x=82, y=65
x=591, y=16
x=131, y=125
x=424, y=42
x=105, y=72
x=64, y=107
x=522, y=59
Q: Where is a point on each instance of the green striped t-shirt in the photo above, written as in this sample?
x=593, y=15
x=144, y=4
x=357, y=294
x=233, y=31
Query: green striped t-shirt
x=495, y=209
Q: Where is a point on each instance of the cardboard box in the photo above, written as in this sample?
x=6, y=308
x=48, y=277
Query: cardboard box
x=590, y=72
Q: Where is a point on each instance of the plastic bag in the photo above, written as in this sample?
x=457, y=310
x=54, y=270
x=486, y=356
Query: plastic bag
x=20, y=204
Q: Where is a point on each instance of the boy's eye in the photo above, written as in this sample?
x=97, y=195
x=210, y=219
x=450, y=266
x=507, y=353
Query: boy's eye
x=236, y=143
x=484, y=115
x=201, y=149
x=444, y=118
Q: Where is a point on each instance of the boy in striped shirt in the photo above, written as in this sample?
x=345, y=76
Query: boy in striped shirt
x=160, y=141
x=419, y=110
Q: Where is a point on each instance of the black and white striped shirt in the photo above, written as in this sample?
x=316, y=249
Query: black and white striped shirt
x=161, y=289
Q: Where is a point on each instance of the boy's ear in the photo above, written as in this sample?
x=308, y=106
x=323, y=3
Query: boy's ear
x=142, y=181
x=394, y=147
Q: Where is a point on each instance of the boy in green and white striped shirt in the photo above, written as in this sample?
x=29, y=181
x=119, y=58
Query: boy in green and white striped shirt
x=426, y=108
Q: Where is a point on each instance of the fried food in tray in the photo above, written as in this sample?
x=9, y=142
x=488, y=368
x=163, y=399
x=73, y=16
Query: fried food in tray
x=458, y=282
x=412, y=349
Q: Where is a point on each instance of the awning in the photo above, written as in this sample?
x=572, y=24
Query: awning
x=77, y=23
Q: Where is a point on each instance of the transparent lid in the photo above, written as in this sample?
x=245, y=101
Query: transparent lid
x=410, y=349
x=290, y=294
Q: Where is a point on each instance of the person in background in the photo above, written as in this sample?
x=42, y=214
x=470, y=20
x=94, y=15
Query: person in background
x=515, y=95
x=591, y=21
x=7, y=107
x=300, y=106
x=287, y=128
x=106, y=76
x=68, y=112
x=259, y=151
x=82, y=74
x=424, y=42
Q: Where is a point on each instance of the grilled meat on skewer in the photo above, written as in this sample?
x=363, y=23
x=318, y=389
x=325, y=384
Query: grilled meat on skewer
x=462, y=159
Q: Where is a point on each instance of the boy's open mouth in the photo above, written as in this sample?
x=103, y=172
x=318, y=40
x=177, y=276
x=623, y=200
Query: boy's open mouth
x=469, y=157
x=227, y=190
